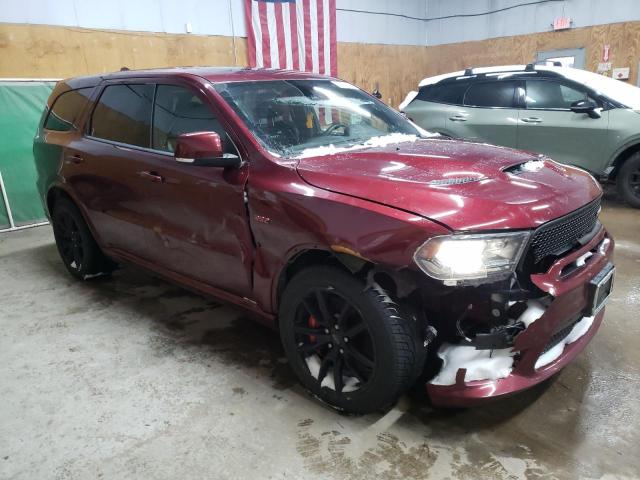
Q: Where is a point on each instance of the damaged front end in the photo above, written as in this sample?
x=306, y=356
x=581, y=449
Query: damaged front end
x=499, y=337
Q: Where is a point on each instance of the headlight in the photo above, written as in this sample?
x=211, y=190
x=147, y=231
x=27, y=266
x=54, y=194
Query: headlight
x=467, y=257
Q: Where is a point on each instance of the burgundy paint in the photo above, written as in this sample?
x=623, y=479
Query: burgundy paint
x=199, y=145
x=190, y=223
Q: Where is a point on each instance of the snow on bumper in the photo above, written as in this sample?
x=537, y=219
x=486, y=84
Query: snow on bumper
x=469, y=376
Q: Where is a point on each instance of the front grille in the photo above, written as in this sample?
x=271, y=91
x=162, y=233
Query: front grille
x=558, y=236
x=560, y=335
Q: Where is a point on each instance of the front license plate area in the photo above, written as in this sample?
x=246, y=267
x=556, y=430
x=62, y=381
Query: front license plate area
x=599, y=290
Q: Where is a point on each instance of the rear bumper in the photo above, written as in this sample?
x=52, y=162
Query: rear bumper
x=570, y=298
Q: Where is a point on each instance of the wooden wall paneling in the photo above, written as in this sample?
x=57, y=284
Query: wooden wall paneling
x=40, y=51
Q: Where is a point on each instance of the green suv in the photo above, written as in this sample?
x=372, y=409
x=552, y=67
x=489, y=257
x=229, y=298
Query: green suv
x=573, y=116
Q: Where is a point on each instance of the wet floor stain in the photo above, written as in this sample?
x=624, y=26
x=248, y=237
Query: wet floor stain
x=583, y=424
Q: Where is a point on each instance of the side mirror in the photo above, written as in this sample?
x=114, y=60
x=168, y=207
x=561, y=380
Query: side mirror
x=204, y=149
x=586, y=106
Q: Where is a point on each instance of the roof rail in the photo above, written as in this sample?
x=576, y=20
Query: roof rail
x=532, y=66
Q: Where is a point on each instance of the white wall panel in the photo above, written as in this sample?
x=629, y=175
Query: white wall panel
x=213, y=17
x=369, y=28
x=207, y=17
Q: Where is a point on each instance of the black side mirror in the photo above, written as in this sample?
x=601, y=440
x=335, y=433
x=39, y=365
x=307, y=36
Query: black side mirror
x=586, y=106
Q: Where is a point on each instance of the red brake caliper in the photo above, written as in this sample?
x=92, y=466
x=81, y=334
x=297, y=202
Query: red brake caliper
x=313, y=323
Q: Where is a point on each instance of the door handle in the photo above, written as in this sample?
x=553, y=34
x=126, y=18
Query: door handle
x=532, y=120
x=152, y=176
x=75, y=158
x=458, y=118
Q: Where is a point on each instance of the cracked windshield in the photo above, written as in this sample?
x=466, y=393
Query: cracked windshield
x=303, y=117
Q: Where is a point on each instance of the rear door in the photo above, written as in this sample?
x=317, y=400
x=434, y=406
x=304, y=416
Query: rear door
x=547, y=125
x=489, y=113
x=435, y=103
x=104, y=167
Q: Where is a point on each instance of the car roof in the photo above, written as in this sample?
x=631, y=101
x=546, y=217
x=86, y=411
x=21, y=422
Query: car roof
x=213, y=74
x=475, y=73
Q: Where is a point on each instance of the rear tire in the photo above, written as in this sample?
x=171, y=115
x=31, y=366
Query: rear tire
x=628, y=181
x=79, y=251
x=349, y=344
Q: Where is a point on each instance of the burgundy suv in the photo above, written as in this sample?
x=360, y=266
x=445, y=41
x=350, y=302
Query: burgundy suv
x=383, y=255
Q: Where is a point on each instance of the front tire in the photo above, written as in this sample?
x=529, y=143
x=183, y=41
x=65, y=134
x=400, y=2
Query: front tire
x=628, y=181
x=349, y=344
x=79, y=251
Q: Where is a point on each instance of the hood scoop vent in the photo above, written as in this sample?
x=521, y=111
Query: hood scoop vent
x=529, y=166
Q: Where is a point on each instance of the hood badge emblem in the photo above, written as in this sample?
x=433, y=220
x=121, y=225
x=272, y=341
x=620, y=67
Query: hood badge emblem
x=454, y=181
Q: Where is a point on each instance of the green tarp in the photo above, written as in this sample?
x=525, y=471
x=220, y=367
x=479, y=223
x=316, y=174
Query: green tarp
x=21, y=105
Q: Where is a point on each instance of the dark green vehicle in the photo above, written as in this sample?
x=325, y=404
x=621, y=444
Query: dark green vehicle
x=573, y=116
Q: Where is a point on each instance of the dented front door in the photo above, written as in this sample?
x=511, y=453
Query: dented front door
x=199, y=222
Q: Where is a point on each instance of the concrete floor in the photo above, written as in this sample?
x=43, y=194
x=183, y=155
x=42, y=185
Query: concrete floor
x=131, y=377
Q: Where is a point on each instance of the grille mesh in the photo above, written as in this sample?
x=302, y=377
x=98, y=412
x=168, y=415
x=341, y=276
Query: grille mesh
x=560, y=335
x=560, y=235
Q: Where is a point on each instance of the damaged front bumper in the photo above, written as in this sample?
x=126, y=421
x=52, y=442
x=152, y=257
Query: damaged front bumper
x=560, y=331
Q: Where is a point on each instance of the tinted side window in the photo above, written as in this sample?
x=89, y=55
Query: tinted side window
x=550, y=94
x=66, y=110
x=178, y=110
x=451, y=93
x=123, y=114
x=491, y=94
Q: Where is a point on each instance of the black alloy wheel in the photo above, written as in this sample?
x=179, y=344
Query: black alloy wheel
x=348, y=343
x=69, y=240
x=334, y=341
x=628, y=180
x=79, y=251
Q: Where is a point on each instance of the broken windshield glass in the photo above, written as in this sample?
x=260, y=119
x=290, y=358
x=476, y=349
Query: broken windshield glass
x=291, y=116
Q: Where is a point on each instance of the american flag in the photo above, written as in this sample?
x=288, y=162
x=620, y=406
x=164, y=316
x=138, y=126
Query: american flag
x=293, y=34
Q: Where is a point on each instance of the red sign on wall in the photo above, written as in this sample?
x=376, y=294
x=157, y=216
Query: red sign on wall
x=562, y=23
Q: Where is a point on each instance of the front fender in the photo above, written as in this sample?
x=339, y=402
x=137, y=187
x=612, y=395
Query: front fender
x=328, y=222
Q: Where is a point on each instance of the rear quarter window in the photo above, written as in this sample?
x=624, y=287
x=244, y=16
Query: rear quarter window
x=491, y=94
x=451, y=93
x=66, y=110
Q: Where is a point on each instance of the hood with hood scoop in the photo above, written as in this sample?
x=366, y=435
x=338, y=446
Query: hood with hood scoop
x=465, y=186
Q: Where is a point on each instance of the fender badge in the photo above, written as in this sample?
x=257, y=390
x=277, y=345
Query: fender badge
x=262, y=219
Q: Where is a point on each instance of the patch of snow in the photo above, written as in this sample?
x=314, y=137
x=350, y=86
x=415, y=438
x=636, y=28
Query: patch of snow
x=533, y=165
x=535, y=309
x=480, y=364
x=381, y=141
x=622, y=92
x=92, y=275
x=422, y=131
x=580, y=261
x=407, y=100
x=484, y=364
x=460, y=73
x=350, y=384
x=578, y=330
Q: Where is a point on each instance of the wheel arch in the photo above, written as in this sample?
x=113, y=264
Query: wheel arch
x=54, y=194
x=397, y=283
x=58, y=192
x=627, y=152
